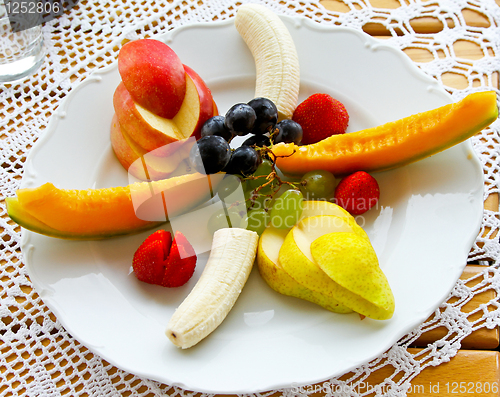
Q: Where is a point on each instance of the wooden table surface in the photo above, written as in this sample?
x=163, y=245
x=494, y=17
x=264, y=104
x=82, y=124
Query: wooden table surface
x=476, y=366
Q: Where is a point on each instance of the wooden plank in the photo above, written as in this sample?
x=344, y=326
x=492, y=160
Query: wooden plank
x=492, y=204
x=482, y=338
x=468, y=373
x=466, y=51
x=422, y=25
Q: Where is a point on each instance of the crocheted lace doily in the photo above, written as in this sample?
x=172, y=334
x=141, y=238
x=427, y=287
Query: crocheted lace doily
x=39, y=358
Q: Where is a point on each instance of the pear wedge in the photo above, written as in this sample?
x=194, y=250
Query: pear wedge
x=269, y=268
x=323, y=207
x=351, y=262
x=296, y=259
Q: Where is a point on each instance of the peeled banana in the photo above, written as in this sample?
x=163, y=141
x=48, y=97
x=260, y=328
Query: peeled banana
x=275, y=56
x=226, y=272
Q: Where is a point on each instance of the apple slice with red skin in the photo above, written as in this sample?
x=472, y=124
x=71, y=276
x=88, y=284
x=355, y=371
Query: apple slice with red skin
x=151, y=131
x=154, y=76
x=208, y=108
x=151, y=167
x=124, y=153
x=160, y=162
x=131, y=118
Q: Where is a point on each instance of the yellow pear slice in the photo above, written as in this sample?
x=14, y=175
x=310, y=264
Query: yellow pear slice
x=351, y=262
x=320, y=207
x=271, y=271
x=296, y=259
x=323, y=207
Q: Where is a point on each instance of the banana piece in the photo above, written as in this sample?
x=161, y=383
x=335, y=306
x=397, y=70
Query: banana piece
x=213, y=296
x=276, y=59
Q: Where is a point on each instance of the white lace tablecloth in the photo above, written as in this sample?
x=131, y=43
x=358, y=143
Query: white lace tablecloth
x=37, y=356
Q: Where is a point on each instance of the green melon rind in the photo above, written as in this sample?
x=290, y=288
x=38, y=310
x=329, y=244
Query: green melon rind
x=19, y=215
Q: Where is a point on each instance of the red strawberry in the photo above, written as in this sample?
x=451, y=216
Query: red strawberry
x=320, y=116
x=181, y=262
x=149, y=259
x=357, y=193
x=159, y=260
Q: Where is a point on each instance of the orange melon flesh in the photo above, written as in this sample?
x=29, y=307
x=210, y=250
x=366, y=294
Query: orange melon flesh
x=108, y=212
x=393, y=144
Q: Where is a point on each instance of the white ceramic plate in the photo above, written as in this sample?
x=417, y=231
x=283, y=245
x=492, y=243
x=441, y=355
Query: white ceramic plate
x=427, y=220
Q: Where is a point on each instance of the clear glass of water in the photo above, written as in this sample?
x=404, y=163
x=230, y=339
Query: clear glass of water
x=21, y=52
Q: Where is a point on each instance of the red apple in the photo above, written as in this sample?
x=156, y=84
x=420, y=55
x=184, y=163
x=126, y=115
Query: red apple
x=122, y=149
x=154, y=76
x=206, y=106
x=154, y=165
x=130, y=159
x=131, y=117
x=151, y=131
x=215, y=109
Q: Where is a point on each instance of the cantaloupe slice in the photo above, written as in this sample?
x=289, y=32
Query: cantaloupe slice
x=107, y=212
x=393, y=144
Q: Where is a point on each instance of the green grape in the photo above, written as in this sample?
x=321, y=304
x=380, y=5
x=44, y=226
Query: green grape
x=235, y=200
x=228, y=186
x=218, y=220
x=250, y=196
x=230, y=217
x=287, y=209
x=263, y=170
x=260, y=202
x=237, y=213
x=257, y=220
x=253, y=199
x=317, y=184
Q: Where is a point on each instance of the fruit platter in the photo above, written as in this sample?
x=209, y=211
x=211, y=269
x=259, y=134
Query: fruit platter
x=416, y=234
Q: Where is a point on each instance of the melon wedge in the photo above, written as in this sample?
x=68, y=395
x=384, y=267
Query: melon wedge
x=102, y=213
x=393, y=144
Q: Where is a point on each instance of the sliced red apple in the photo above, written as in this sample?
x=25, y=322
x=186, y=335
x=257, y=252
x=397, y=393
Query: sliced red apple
x=126, y=156
x=151, y=131
x=131, y=158
x=157, y=164
x=188, y=125
x=154, y=76
x=215, y=108
x=137, y=127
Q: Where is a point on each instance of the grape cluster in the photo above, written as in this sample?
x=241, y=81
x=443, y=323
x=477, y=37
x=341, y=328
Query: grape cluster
x=271, y=200
x=258, y=118
x=265, y=198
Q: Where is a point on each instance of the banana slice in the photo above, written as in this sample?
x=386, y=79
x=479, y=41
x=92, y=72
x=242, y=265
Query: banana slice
x=213, y=296
x=276, y=59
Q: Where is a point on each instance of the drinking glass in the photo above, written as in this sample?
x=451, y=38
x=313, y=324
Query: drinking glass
x=21, y=52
